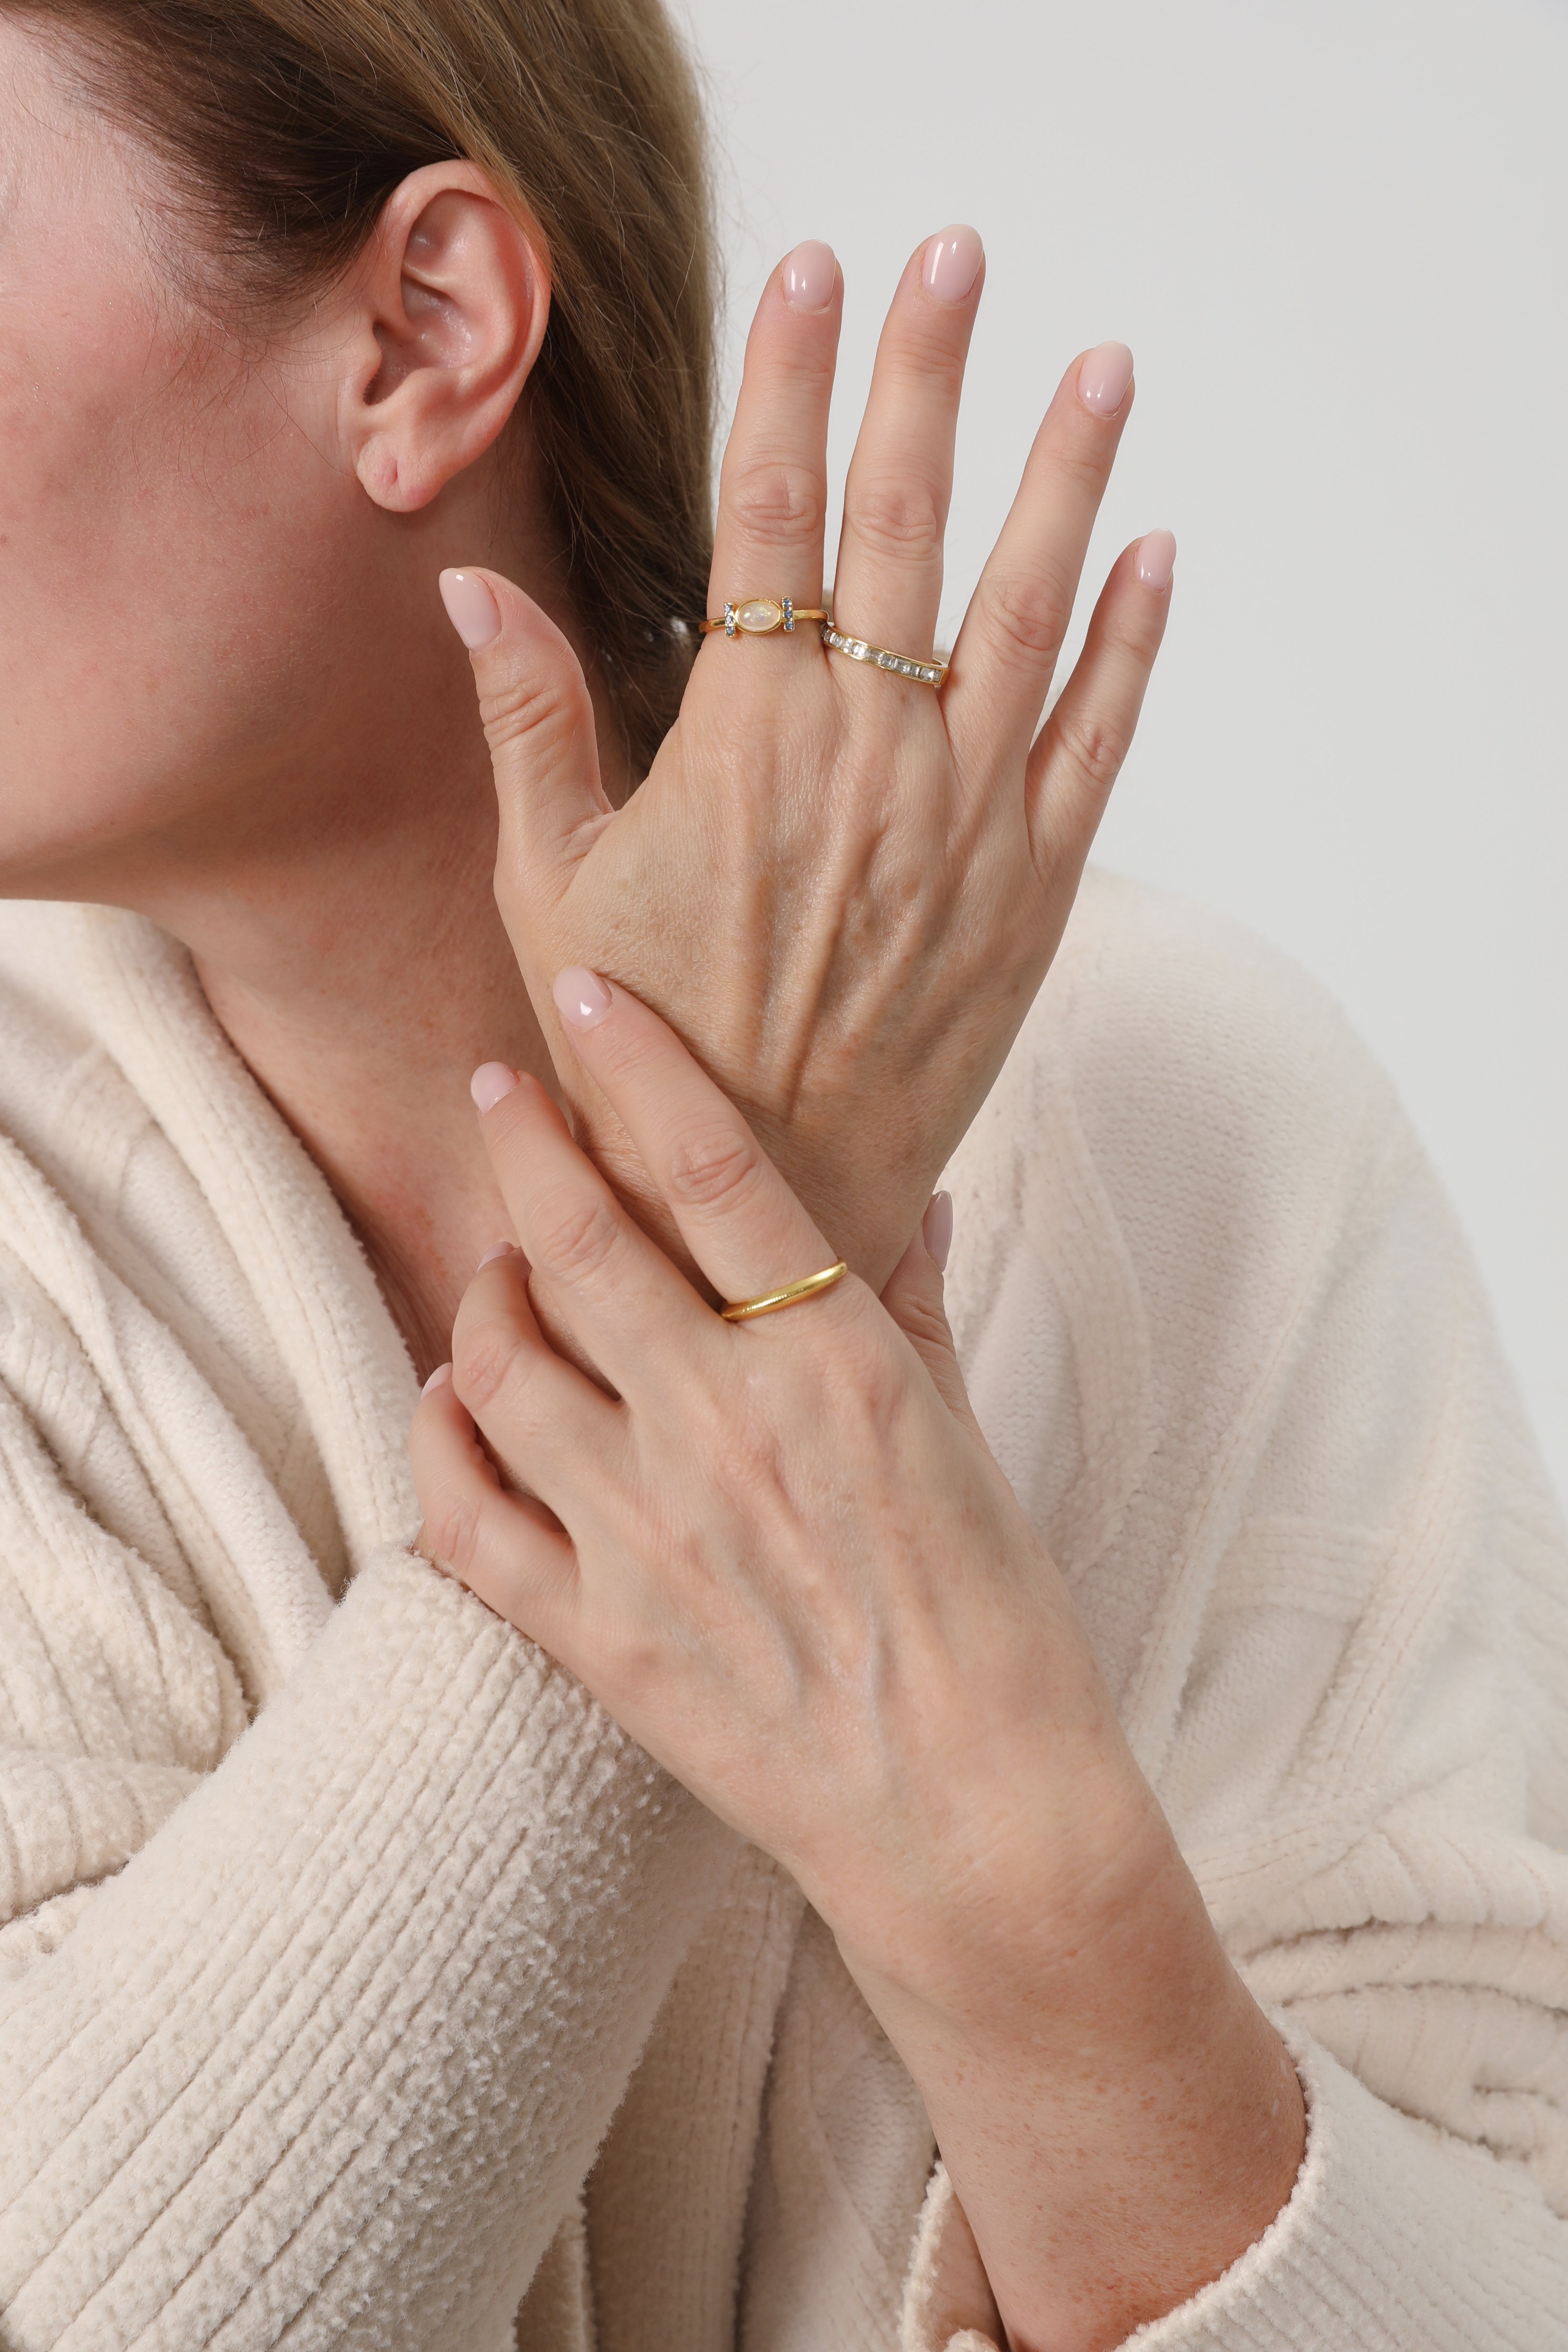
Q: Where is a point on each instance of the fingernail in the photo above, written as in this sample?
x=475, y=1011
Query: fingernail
x=1103, y=376
x=442, y=1373
x=489, y=1084
x=1156, y=558
x=936, y=1228
x=581, y=997
x=471, y=608
x=502, y=1249
x=810, y=274
x=953, y=263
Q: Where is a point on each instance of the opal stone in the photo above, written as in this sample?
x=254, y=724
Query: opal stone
x=758, y=614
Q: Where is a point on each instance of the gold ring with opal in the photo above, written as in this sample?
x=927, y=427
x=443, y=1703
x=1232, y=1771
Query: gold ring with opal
x=758, y=616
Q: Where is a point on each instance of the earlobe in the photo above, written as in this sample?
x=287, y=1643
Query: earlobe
x=455, y=296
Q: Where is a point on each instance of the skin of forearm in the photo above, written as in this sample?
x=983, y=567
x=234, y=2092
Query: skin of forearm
x=1118, y=2118
x=789, y=1567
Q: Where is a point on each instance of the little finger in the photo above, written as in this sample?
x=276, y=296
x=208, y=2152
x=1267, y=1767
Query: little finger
x=1086, y=739
x=507, y=1548
x=913, y=1295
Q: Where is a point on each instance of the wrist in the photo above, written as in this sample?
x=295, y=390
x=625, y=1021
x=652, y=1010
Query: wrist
x=1036, y=1883
x=1120, y=2139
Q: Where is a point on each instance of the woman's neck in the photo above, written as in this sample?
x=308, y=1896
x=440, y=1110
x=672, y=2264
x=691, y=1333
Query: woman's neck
x=362, y=1006
x=354, y=953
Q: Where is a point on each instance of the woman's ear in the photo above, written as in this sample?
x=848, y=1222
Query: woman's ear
x=450, y=312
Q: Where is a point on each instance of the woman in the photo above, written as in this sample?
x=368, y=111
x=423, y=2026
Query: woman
x=427, y=2007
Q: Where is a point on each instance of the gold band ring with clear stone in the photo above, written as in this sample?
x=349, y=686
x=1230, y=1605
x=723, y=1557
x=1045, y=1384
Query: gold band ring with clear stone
x=758, y=616
x=928, y=673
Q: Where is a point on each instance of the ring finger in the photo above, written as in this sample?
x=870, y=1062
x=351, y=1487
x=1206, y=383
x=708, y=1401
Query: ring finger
x=887, y=584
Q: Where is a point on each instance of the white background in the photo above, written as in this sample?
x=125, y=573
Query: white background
x=1336, y=237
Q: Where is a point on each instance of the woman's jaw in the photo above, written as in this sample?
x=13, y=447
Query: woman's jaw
x=232, y=699
x=227, y=678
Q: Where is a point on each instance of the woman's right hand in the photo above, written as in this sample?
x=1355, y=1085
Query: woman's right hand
x=840, y=887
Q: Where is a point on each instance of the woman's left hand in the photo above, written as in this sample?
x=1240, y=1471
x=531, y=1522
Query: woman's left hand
x=782, y=1557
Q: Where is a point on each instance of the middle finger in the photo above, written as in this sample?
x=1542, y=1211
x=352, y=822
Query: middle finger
x=615, y=1291
x=888, y=585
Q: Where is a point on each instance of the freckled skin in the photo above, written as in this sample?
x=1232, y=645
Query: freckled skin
x=783, y=1558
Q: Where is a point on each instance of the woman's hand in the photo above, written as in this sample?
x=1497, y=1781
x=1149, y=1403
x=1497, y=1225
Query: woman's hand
x=842, y=888
x=782, y=1557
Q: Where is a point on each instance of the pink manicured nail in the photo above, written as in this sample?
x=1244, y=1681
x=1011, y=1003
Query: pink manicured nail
x=1103, y=377
x=490, y=1083
x=581, y=997
x=471, y=608
x=810, y=274
x=951, y=264
x=936, y=1228
x=1156, y=559
x=438, y=1378
x=502, y=1249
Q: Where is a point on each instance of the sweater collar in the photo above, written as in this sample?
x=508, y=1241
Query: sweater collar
x=310, y=1278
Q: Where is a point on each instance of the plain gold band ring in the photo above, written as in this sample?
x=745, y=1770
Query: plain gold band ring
x=758, y=616
x=770, y=1302
x=928, y=673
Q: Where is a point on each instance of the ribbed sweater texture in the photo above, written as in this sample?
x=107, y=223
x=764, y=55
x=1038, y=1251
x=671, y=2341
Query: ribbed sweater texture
x=361, y=1983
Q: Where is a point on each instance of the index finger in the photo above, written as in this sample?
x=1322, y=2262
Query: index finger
x=773, y=483
x=738, y=1217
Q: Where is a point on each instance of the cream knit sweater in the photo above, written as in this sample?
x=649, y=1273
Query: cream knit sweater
x=425, y=2014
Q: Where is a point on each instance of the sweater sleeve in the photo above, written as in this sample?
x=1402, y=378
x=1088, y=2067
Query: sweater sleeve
x=1394, y=2240
x=326, y=2061
x=1350, y=1690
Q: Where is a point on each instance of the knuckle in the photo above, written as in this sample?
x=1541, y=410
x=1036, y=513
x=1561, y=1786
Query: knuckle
x=714, y=1168
x=1030, y=613
x=1081, y=460
x=540, y=710
x=453, y=1519
x=1134, y=628
x=489, y=1366
x=771, y=498
x=1094, y=749
x=922, y=364
x=573, y=1234
x=900, y=517
x=924, y=1324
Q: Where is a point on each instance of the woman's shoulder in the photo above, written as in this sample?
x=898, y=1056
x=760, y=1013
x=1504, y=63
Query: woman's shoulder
x=1209, y=1092
x=45, y=1022
x=1216, y=1035
x=1192, y=1199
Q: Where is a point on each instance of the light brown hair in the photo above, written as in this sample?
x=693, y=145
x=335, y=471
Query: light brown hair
x=287, y=123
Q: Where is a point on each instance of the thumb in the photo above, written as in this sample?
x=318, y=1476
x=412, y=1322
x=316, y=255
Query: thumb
x=539, y=721
x=913, y=1297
